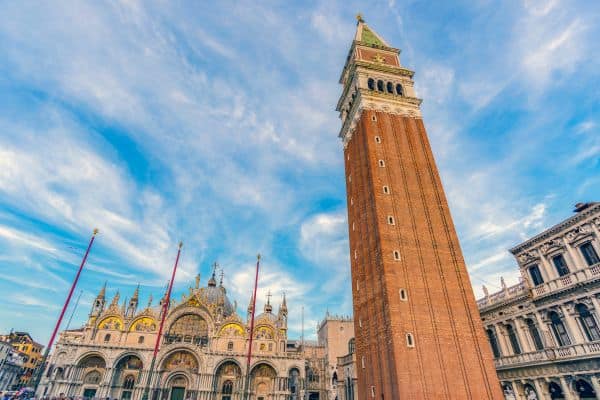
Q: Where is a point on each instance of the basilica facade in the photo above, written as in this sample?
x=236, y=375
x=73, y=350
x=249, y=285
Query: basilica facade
x=202, y=354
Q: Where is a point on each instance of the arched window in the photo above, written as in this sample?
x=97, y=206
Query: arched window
x=536, y=275
x=530, y=392
x=230, y=346
x=129, y=382
x=141, y=340
x=399, y=90
x=294, y=381
x=494, y=342
x=107, y=337
x=585, y=390
x=589, y=253
x=588, y=322
x=371, y=84
x=514, y=341
x=390, y=87
x=560, y=264
x=556, y=391
x=535, y=334
x=351, y=346
x=380, y=85
x=558, y=328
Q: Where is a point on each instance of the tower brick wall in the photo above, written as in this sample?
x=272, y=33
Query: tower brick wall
x=418, y=332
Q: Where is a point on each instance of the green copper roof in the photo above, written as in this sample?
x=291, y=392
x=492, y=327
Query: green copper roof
x=369, y=37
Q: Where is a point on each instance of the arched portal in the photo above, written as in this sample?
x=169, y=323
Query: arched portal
x=178, y=385
x=126, y=376
x=91, y=368
x=555, y=391
x=228, y=381
x=263, y=382
x=294, y=383
x=585, y=390
x=530, y=393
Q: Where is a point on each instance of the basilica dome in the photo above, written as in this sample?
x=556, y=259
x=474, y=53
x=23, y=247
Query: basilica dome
x=217, y=296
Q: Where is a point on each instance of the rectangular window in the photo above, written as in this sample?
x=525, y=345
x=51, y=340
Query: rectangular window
x=381, y=163
x=386, y=190
x=589, y=253
x=372, y=391
x=362, y=361
x=560, y=264
x=536, y=275
x=396, y=255
x=390, y=220
x=377, y=139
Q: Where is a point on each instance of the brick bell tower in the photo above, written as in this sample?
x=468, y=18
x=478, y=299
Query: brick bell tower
x=418, y=330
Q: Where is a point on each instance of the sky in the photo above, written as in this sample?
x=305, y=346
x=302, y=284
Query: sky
x=214, y=123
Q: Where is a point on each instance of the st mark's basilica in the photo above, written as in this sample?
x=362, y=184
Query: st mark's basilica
x=202, y=354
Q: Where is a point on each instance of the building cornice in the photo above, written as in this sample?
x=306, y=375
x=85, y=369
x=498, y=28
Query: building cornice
x=378, y=101
x=569, y=222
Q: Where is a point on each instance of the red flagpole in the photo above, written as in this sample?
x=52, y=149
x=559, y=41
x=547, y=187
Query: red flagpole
x=64, y=309
x=167, y=301
x=165, y=309
x=252, y=326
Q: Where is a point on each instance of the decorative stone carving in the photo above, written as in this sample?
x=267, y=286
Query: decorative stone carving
x=578, y=232
x=556, y=243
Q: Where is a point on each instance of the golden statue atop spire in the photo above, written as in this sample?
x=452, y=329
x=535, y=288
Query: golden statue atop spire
x=359, y=18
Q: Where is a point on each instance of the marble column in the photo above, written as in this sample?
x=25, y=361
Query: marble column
x=569, y=395
x=572, y=327
x=505, y=348
x=523, y=335
x=541, y=387
x=595, y=384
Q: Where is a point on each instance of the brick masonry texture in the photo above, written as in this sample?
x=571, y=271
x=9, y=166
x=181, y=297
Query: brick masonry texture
x=451, y=357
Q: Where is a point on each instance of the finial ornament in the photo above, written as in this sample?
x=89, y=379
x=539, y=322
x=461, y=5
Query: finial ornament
x=258, y=256
x=269, y=297
x=95, y=231
x=180, y=245
x=359, y=18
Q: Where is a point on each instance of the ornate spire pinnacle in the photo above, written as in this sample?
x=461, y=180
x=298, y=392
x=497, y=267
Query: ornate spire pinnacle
x=212, y=281
x=150, y=301
x=283, y=304
x=198, y=281
x=250, y=304
x=115, y=300
x=136, y=293
x=268, y=307
x=102, y=292
x=221, y=280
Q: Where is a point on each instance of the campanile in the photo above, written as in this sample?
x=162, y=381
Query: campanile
x=418, y=331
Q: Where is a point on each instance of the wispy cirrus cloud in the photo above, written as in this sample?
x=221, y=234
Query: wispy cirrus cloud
x=163, y=122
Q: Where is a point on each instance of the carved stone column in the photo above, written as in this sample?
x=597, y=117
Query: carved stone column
x=505, y=348
x=524, y=337
x=595, y=384
x=569, y=395
x=571, y=323
x=541, y=387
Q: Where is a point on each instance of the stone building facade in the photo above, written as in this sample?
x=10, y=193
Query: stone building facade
x=31, y=352
x=418, y=332
x=11, y=366
x=545, y=331
x=202, y=355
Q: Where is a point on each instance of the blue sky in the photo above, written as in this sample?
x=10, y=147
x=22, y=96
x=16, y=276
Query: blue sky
x=214, y=123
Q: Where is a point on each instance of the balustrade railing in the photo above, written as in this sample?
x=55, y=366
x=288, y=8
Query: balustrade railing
x=578, y=276
x=550, y=354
